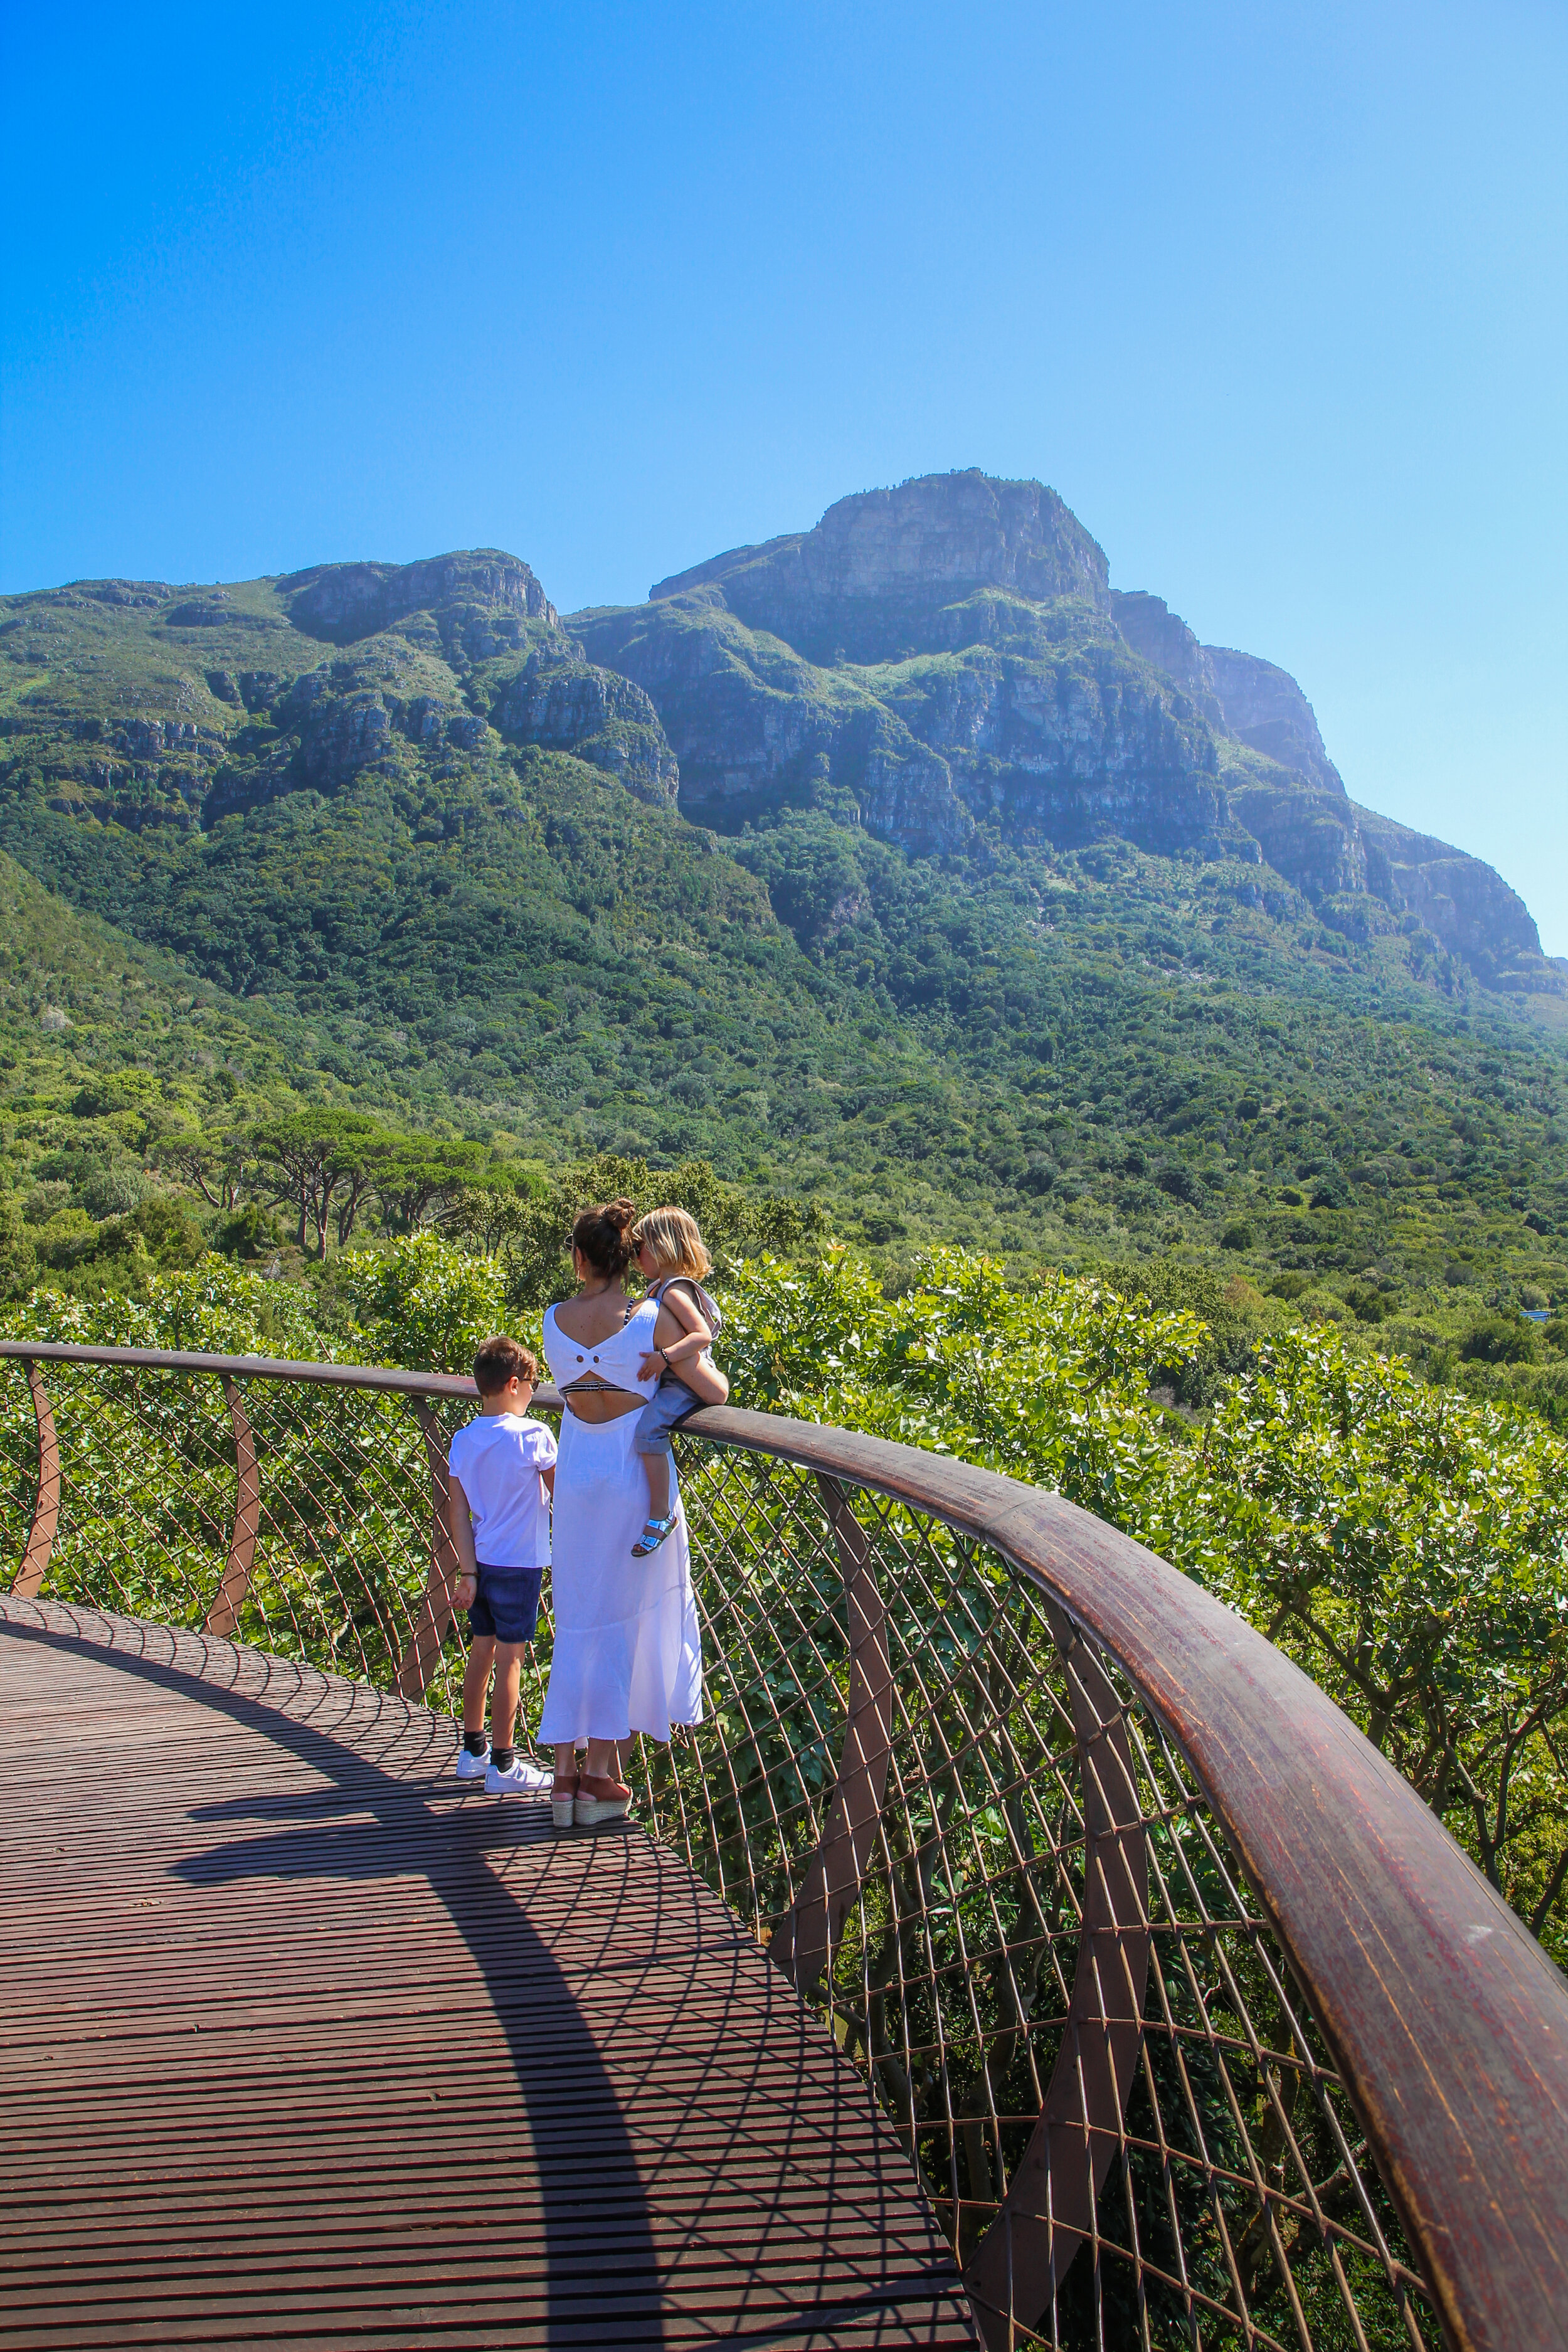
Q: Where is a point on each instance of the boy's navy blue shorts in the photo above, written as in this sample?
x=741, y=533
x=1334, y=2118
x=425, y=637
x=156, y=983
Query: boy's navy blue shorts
x=506, y=1604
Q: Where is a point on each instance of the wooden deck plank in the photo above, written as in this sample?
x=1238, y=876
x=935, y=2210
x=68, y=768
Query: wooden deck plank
x=306, y=2044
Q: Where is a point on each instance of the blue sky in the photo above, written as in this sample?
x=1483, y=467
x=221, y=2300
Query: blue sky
x=1274, y=297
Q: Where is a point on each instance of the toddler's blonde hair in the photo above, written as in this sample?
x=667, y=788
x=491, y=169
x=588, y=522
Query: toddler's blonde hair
x=671, y=1235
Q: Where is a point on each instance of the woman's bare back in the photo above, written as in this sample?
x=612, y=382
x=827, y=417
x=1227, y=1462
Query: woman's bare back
x=595, y=1315
x=591, y=1318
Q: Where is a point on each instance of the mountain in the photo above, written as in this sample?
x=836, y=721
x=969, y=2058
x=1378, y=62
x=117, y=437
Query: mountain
x=950, y=656
x=901, y=862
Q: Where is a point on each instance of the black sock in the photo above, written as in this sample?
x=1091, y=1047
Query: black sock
x=475, y=1743
x=502, y=1757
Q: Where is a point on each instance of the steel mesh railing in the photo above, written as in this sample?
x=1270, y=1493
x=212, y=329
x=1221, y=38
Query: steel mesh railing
x=1046, y=1916
x=341, y=1502
x=969, y=1836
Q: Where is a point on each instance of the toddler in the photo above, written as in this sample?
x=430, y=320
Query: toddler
x=500, y=1472
x=673, y=1261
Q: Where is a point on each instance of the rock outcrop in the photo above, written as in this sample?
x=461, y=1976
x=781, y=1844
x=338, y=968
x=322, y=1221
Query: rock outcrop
x=866, y=584
x=481, y=602
x=1238, y=694
x=1295, y=805
x=1265, y=708
x=1163, y=640
x=129, y=594
x=606, y=719
x=1065, y=750
x=755, y=727
x=1029, y=715
x=1459, y=900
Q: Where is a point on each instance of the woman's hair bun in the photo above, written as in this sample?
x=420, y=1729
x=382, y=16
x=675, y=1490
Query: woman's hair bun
x=602, y=1234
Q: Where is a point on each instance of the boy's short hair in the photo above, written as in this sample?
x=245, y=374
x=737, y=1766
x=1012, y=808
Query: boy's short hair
x=500, y=1360
x=673, y=1238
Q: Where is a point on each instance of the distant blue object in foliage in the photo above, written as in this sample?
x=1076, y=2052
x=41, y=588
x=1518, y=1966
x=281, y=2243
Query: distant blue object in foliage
x=1536, y=1314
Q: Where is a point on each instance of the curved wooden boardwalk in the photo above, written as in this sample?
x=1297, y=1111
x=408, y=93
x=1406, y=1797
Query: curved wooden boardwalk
x=305, y=2045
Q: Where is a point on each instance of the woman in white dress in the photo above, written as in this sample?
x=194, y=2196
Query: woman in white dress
x=629, y=1654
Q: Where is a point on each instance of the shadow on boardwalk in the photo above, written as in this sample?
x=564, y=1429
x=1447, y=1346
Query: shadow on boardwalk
x=309, y=2045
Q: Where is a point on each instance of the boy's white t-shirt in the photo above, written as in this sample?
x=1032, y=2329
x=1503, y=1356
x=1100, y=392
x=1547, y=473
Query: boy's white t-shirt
x=499, y=1458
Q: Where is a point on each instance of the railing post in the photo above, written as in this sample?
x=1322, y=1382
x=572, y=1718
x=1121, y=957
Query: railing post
x=230, y=1600
x=29, y=1580
x=1048, y=2211
x=805, y=1936
x=419, y=1660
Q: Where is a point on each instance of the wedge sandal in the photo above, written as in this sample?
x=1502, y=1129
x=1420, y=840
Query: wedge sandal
x=600, y=1802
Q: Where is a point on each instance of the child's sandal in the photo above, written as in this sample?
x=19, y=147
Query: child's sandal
x=656, y=1529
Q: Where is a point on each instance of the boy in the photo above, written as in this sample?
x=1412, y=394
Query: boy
x=673, y=1259
x=500, y=1473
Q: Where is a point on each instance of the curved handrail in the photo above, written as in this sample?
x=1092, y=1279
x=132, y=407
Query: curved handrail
x=256, y=1368
x=1401, y=1946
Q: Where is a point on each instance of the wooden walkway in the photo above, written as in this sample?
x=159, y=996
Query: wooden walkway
x=305, y=2045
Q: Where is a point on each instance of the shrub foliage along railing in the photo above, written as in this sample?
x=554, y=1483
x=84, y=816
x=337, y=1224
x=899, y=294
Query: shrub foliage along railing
x=1196, y=2026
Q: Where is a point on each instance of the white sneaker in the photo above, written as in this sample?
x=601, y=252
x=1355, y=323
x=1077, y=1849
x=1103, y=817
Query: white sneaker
x=473, y=1768
x=521, y=1779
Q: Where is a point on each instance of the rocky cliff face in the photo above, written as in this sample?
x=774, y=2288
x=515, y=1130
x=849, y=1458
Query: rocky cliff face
x=866, y=584
x=950, y=653
x=571, y=706
x=480, y=603
x=1022, y=712
x=1264, y=706
x=1163, y=640
x=1238, y=694
x=1295, y=807
x=1064, y=750
x=200, y=704
x=754, y=727
x=1460, y=900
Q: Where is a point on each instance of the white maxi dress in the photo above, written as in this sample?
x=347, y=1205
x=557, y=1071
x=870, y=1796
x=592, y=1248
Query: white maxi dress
x=628, y=1652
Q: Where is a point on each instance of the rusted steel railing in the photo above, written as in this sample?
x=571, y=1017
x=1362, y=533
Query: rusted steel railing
x=1196, y=2026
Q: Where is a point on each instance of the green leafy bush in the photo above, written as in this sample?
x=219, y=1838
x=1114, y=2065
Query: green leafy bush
x=1499, y=1339
x=18, y=1259
x=1411, y=1551
x=424, y=1304
x=215, y=1309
